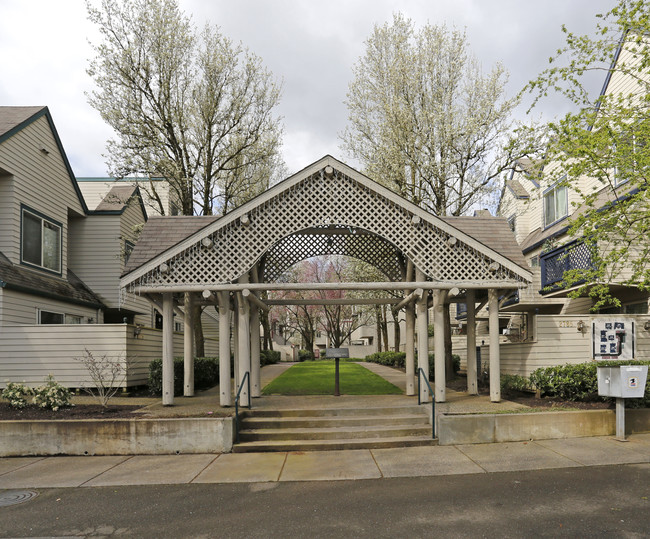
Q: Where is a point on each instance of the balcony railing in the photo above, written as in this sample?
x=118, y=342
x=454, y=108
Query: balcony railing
x=555, y=263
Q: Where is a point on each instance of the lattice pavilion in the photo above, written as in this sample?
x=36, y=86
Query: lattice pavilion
x=327, y=208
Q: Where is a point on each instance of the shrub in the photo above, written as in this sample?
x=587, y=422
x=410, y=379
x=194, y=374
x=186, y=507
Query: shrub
x=17, y=394
x=514, y=382
x=269, y=357
x=305, y=355
x=580, y=382
x=108, y=374
x=52, y=395
x=398, y=360
x=206, y=374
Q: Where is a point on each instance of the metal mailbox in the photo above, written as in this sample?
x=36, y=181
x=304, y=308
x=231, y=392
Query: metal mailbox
x=624, y=382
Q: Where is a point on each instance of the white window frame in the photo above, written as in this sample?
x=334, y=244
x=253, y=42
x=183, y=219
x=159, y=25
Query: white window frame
x=552, y=191
x=50, y=224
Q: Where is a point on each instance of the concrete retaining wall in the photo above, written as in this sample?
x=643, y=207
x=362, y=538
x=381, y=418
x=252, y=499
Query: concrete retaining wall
x=116, y=437
x=491, y=428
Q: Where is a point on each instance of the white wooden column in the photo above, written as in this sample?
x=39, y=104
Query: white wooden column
x=439, y=297
x=244, y=346
x=256, y=390
x=495, y=356
x=410, y=349
x=225, y=391
x=423, y=338
x=472, y=384
x=168, y=349
x=409, y=312
x=235, y=340
x=188, y=347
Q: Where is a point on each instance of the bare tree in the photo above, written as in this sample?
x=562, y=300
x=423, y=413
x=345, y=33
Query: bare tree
x=186, y=105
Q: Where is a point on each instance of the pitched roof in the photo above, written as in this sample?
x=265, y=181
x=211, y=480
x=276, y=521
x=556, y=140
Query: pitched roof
x=493, y=232
x=71, y=290
x=161, y=233
x=117, y=198
x=12, y=117
x=517, y=189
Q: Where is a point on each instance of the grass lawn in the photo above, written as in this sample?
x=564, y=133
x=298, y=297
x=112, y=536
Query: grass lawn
x=317, y=378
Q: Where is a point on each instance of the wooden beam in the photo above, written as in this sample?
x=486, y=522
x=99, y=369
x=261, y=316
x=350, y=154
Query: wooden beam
x=387, y=285
x=334, y=301
x=416, y=295
x=247, y=294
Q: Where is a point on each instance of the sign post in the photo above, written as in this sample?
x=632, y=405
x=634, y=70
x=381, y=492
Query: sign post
x=336, y=354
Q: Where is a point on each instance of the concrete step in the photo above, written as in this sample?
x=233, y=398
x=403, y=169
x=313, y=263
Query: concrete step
x=332, y=433
x=335, y=412
x=331, y=445
x=332, y=421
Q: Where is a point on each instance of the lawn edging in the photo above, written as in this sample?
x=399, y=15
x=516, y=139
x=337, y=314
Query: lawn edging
x=454, y=429
x=116, y=436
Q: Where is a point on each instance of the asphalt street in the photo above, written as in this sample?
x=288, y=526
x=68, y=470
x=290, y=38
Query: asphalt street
x=599, y=501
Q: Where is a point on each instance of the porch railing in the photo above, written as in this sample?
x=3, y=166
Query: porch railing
x=245, y=380
x=423, y=376
x=574, y=255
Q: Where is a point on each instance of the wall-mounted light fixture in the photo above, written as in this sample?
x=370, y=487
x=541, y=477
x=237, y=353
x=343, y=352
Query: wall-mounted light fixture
x=580, y=326
x=137, y=330
x=646, y=326
x=45, y=151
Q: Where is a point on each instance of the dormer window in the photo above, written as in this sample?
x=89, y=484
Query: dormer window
x=40, y=241
x=556, y=206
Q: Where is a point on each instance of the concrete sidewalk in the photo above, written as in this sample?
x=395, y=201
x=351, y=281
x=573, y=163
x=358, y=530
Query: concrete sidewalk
x=51, y=472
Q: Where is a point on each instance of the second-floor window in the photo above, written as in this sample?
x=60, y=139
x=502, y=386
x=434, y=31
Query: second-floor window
x=556, y=204
x=40, y=241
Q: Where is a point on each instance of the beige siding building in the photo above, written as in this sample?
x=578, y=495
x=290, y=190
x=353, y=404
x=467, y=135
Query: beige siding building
x=61, y=257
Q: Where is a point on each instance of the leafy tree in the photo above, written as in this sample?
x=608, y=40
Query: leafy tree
x=186, y=105
x=426, y=121
x=605, y=139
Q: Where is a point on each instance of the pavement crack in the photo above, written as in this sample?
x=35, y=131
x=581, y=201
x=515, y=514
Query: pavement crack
x=106, y=470
x=286, y=455
x=381, y=473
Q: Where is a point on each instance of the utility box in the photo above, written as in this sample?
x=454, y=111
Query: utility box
x=624, y=382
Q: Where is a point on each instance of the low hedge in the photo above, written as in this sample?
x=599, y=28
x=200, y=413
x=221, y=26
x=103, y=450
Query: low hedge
x=305, y=355
x=269, y=357
x=206, y=374
x=398, y=360
x=580, y=383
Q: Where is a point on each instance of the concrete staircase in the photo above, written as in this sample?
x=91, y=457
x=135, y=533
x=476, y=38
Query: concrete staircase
x=317, y=429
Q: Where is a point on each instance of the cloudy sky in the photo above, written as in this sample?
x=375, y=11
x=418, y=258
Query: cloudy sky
x=310, y=46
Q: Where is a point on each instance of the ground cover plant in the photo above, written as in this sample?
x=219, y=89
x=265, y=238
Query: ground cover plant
x=317, y=378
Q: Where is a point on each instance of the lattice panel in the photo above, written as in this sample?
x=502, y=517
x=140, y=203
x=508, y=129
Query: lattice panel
x=323, y=201
x=348, y=242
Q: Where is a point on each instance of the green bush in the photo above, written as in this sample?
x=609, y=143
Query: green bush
x=269, y=357
x=206, y=374
x=579, y=382
x=17, y=394
x=398, y=360
x=52, y=395
x=305, y=355
x=514, y=382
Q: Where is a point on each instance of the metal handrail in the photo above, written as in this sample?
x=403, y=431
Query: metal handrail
x=422, y=374
x=246, y=378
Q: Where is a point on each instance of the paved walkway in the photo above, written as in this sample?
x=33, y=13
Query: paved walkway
x=51, y=472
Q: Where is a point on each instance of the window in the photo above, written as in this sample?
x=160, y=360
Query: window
x=128, y=249
x=556, y=205
x=48, y=317
x=40, y=241
x=512, y=223
x=534, y=261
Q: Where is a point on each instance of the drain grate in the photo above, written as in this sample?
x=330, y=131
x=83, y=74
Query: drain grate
x=14, y=497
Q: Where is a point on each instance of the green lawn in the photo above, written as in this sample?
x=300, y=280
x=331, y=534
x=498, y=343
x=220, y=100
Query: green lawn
x=317, y=378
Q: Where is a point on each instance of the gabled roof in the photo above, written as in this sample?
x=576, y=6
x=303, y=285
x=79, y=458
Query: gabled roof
x=15, y=119
x=517, y=189
x=71, y=290
x=177, y=240
x=117, y=200
x=162, y=233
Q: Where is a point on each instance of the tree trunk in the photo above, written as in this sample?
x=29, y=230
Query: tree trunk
x=384, y=327
x=199, y=341
x=378, y=327
x=267, y=344
x=396, y=330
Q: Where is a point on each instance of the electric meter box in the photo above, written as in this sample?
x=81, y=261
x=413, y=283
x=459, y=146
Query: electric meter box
x=626, y=381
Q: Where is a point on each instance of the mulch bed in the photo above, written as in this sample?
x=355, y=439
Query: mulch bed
x=80, y=411
x=530, y=399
